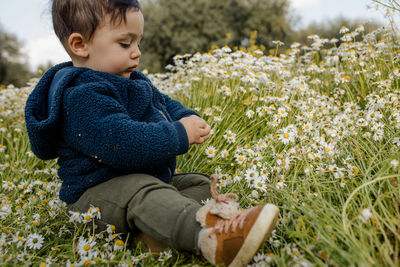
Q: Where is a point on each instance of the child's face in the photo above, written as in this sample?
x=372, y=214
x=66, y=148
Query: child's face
x=115, y=48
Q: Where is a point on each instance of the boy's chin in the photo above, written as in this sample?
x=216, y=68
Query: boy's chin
x=125, y=74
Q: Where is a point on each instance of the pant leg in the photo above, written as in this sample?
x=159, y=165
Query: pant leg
x=160, y=211
x=143, y=202
x=192, y=185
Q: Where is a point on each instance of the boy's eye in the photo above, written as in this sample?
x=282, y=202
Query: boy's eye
x=125, y=45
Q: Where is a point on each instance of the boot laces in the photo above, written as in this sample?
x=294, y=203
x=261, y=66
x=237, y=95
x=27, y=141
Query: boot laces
x=224, y=224
x=232, y=224
x=224, y=198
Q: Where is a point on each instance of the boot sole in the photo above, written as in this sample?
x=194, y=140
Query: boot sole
x=258, y=234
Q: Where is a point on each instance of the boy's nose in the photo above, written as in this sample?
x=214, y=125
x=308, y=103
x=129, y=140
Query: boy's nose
x=136, y=53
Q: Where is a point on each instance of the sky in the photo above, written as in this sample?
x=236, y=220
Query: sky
x=30, y=21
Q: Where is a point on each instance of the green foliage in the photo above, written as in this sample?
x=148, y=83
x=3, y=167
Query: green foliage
x=176, y=27
x=317, y=133
x=13, y=69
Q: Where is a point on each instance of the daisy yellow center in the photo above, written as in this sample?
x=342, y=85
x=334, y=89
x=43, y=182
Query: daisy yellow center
x=119, y=243
x=327, y=149
x=86, y=247
x=87, y=217
x=286, y=135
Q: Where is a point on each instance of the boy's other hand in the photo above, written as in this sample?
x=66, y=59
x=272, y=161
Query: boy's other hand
x=196, y=128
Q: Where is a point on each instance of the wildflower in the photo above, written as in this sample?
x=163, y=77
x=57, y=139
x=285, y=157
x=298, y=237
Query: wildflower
x=281, y=184
x=251, y=175
x=110, y=229
x=360, y=28
x=86, y=217
x=224, y=153
x=119, y=244
x=286, y=137
x=230, y=136
x=210, y=151
x=278, y=43
x=5, y=210
x=26, y=187
x=240, y=159
x=308, y=127
x=85, y=245
x=29, y=153
x=34, y=241
x=343, y=30
x=2, y=148
x=394, y=163
x=75, y=216
x=250, y=113
x=217, y=118
x=69, y=264
x=365, y=215
x=94, y=212
x=7, y=185
x=19, y=240
x=208, y=111
x=282, y=112
x=329, y=149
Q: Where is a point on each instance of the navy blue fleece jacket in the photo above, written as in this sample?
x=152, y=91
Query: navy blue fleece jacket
x=100, y=126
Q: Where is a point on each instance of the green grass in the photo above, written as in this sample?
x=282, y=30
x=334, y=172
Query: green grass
x=322, y=145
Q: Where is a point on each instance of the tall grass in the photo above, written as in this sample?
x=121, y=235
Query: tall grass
x=314, y=130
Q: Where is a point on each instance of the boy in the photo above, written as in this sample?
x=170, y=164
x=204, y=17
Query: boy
x=116, y=138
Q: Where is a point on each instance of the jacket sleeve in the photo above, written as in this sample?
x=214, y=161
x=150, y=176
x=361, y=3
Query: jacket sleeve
x=176, y=109
x=97, y=125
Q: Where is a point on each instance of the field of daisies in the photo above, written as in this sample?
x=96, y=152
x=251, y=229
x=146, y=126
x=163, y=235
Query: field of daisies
x=314, y=130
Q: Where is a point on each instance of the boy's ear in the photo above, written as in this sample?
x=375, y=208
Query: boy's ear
x=78, y=45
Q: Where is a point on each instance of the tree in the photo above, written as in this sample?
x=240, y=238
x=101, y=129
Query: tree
x=13, y=66
x=178, y=27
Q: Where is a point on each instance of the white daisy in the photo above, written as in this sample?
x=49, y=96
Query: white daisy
x=210, y=151
x=224, y=153
x=34, y=241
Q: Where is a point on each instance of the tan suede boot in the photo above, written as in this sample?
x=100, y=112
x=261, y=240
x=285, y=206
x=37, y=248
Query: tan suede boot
x=231, y=237
x=148, y=244
x=235, y=242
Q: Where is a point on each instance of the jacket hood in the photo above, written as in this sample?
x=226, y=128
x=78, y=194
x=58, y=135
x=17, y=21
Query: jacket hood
x=42, y=110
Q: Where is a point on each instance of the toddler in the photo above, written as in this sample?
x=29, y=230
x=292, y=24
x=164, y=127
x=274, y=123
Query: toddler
x=116, y=138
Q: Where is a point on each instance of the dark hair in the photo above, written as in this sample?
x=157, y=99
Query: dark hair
x=84, y=16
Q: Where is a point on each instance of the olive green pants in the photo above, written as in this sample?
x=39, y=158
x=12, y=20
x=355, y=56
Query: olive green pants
x=140, y=202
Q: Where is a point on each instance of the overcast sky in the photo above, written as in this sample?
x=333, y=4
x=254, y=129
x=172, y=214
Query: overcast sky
x=30, y=20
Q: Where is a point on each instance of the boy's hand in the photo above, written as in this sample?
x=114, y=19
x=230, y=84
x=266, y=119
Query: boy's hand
x=196, y=128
